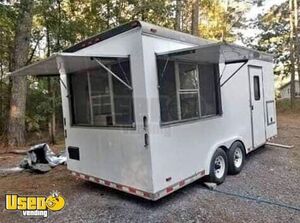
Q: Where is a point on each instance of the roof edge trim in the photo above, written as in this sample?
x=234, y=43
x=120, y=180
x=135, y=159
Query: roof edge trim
x=103, y=36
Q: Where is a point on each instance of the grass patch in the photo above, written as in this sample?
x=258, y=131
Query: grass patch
x=284, y=106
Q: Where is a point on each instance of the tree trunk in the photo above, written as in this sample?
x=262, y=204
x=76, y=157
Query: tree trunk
x=51, y=92
x=292, y=58
x=108, y=14
x=58, y=47
x=1, y=97
x=16, y=127
x=297, y=43
x=195, y=17
x=178, y=15
x=52, y=116
x=223, y=38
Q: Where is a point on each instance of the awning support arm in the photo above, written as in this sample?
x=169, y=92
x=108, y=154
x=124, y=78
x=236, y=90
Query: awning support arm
x=63, y=83
x=237, y=70
x=112, y=73
x=222, y=73
x=165, y=67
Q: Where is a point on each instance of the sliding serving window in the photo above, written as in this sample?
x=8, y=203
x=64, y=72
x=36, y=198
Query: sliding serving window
x=188, y=90
x=100, y=99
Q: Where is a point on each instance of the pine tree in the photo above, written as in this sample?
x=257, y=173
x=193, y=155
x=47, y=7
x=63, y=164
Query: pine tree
x=16, y=126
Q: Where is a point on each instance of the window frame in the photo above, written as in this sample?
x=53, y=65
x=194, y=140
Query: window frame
x=177, y=79
x=110, y=85
x=218, y=94
x=180, y=91
x=256, y=86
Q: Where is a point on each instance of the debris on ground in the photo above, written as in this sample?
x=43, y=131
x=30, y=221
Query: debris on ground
x=209, y=185
x=280, y=145
x=10, y=170
x=40, y=158
x=5, y=157
x=19, y=151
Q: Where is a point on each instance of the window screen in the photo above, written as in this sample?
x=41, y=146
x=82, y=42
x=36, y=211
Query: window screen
x=167, y=91
x=256, y=88
x=122, y=95
x=208, y=90
x=189, y=104
x=99, y=99
x=188, y=76
x=81, y=106
x=187, y=90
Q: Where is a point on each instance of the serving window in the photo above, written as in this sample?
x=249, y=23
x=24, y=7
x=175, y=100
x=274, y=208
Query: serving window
x=99, y=98
x=188, y=90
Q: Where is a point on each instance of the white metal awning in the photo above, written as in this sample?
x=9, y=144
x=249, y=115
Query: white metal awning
x=215, y=53
x=72, y=63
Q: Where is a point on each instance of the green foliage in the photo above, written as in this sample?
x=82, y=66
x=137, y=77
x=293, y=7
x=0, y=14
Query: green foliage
x=8, y=17
x=215, y=22
x=39, y=104
x=218, y=18
x=284, y=106
x=274, y=37
x=153, y=11
x=7, y=28
x=70, y=21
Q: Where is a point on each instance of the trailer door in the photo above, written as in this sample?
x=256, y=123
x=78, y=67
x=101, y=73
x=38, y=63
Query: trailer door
x=257, y=106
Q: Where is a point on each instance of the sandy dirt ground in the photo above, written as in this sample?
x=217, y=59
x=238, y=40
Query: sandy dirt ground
x=267, y=190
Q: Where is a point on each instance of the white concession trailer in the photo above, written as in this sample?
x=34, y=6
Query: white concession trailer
x=148, y=110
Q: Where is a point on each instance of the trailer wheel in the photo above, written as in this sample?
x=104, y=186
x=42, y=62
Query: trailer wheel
x=218, y=167
x=236, y=157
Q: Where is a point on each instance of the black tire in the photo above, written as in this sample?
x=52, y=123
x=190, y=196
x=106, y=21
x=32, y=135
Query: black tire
x=236, y=157
x=213, y=172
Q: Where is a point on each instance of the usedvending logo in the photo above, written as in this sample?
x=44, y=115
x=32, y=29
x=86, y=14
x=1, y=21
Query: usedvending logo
x=34, y=205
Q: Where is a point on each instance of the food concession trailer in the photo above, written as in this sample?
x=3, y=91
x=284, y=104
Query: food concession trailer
x=148, y=110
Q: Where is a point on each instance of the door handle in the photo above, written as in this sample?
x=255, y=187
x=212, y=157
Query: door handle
x=146, y=140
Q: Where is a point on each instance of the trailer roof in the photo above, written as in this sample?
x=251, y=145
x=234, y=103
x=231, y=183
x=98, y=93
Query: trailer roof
x=146, y=28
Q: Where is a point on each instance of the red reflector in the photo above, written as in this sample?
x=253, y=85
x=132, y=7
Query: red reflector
x=132, y=190
x=169, y=189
